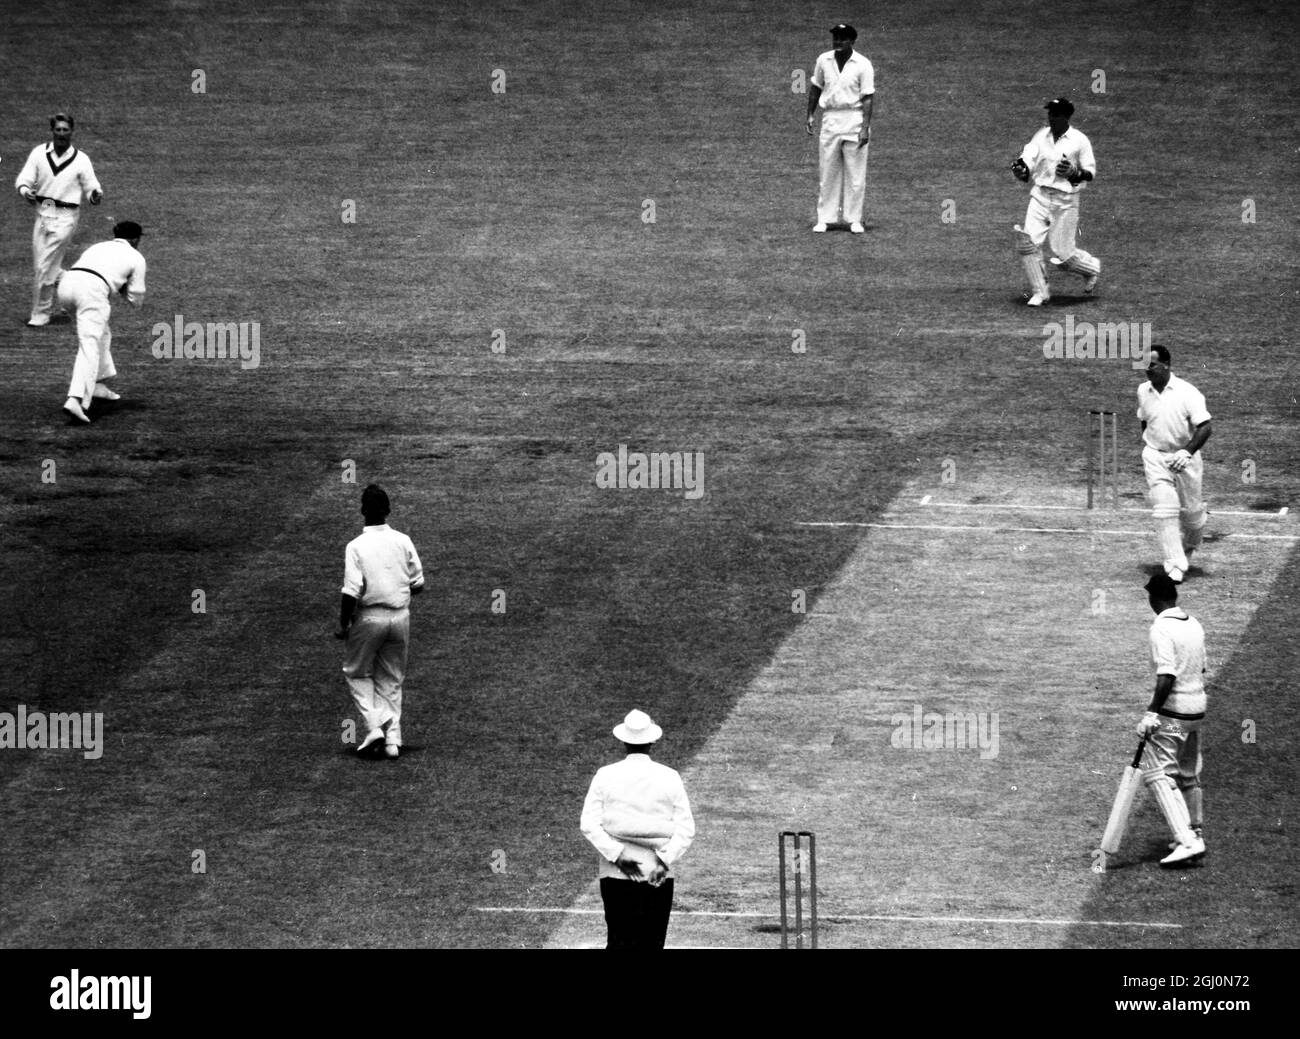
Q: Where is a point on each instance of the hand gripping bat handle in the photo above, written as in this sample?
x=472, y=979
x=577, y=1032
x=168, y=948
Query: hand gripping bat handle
x=1137, y=758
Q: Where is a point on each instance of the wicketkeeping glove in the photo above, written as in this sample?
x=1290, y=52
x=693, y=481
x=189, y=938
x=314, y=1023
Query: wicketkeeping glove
x=1020, y=170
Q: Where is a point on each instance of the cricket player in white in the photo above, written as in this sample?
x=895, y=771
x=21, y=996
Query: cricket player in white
x=105, y=269
x=1059, y=163
x=55, y=179
x=1171, y=760
x=1175, y=425
x=381, y=571
x=843, y=87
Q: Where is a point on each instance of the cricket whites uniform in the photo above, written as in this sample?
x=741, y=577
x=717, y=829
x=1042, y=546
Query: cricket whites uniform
x=380, y=569
x=843, y=163
x=1171, y=762
x=60, y=183
x=86, y=288
x=1053, y=214
x=1171, y=417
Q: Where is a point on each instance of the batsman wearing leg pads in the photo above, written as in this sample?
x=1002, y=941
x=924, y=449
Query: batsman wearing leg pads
x=1175, y=425
x=1058, y=161
x=1171, y=761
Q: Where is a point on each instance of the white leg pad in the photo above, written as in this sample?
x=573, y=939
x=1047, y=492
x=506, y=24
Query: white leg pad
x=1171, y=802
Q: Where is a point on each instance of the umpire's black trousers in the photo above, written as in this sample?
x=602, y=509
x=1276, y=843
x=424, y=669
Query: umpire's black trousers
x=636, y=914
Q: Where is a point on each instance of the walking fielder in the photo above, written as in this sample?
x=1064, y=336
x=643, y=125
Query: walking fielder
x=103, y=270
x=1175, y=426
x=843, y=87
x=1059, y=163
x=381, y=571
x=55, y=179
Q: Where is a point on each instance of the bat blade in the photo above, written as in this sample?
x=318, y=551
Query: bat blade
x=1119, y=811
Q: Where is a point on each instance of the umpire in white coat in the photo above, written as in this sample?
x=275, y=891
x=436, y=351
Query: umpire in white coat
x=638, y=818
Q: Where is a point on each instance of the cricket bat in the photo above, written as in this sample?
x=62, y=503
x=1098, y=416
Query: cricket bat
x=1119, y=811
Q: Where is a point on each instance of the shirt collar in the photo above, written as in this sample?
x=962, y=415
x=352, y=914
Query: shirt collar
x=377, y=526
x=1176, y=612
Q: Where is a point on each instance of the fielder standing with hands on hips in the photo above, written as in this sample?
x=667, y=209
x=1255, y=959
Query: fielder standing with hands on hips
x=1171, y=760
x=1175, y=426
x=843, y=87
x=55, y=179
x=1058, y=161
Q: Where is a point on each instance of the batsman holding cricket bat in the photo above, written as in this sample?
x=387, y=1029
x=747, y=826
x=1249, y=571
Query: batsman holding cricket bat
x=1171, y=759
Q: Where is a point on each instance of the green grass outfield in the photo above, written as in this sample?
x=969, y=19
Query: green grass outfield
x=520, y=213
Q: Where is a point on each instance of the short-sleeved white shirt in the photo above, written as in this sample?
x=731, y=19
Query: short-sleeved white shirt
x=380, y=567
x=1171, y=415
x=119, y=264
x=843, y=88
x=65, y=177
x=1043, y=152
x=1178, y=649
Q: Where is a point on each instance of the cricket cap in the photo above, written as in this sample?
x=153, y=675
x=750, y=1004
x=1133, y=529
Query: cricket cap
x=843, y=32
x=127, y=229
x=1060, y=106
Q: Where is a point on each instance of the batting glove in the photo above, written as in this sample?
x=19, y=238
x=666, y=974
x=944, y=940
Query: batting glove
x=1180, y=460
x=1150, y=723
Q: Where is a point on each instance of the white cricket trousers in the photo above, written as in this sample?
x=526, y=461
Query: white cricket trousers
x=50, y=239
x=87, y=295
x=843, y=173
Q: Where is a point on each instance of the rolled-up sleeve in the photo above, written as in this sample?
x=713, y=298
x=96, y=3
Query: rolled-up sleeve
x=354, y=580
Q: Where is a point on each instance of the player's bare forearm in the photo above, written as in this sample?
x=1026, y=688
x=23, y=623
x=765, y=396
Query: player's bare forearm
x=347, y=607
x=868, y=107
x=1199, y=438
x=814, y=95
x=1164, y=686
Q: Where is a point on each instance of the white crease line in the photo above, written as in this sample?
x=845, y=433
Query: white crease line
x=1017, y=507
x=1042, y=530
x=833, y=917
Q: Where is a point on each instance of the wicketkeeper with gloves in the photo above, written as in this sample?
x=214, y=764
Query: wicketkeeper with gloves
x=1059, y=163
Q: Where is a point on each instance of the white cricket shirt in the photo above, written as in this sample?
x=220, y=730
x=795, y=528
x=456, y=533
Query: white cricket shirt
x=1178, y=649
x=1171, y=415
x=1043, y=152
x=66, y=178
x=119, y=264
x=380, y=567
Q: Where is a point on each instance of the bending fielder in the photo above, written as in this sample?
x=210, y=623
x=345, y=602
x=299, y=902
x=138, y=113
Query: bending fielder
x=1059, y=162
